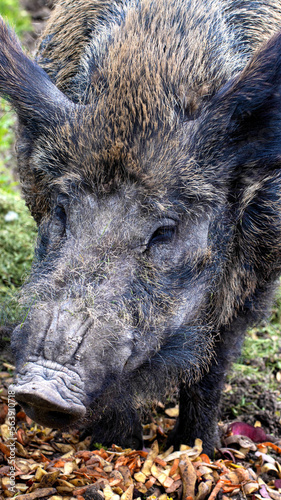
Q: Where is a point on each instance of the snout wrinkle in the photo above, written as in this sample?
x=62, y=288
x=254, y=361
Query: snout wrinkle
x=50, y=370
x=66, y=345
x=49, y=393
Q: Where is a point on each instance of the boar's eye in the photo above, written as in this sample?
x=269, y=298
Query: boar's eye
x=60, y=214
x=60, y=209
x=163, y=234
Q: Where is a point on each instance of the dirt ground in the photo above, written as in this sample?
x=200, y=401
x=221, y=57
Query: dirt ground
x=39, y=11
x=259, y=405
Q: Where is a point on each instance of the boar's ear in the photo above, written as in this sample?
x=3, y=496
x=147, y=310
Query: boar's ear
x=247, y=112
x=28, y=88
x=248, y=108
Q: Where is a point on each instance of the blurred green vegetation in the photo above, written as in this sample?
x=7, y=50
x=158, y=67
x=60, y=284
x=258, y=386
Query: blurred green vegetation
x=17, y=228
x=17, y=238
x=15, y=15
x=261, y=356
x=258, y=370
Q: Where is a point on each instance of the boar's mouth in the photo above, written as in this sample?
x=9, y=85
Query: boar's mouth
x=50, y=395
x=46, y=407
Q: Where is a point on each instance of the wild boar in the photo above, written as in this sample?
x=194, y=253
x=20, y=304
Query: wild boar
x=149, y=155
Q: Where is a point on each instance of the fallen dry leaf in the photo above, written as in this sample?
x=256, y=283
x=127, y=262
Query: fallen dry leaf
x=188, y=476
x=40, y=493
x=58, y=466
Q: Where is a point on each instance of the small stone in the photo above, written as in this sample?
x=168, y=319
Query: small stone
x=11, y=216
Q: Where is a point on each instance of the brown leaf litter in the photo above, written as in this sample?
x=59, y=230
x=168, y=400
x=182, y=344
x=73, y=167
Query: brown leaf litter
x=46, y=463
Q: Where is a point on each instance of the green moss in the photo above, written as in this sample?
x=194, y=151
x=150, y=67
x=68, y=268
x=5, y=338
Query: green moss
x=16, y=236
x=16, y=247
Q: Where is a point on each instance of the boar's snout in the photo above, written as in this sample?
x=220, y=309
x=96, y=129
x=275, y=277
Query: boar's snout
x=47, y=407
x=49, y=397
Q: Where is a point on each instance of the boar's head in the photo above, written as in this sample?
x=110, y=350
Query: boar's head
x=155, y=230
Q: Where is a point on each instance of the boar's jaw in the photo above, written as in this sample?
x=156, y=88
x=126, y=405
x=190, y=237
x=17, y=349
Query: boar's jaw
x=50, y=394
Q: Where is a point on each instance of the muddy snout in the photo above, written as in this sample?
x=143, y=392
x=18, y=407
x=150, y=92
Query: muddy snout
x=49, y=397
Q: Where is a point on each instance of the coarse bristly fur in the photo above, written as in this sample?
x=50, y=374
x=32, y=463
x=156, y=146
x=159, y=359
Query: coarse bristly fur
x=149, y=155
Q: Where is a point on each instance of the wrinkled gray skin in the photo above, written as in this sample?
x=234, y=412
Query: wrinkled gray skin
x=154, y=178
x=84, y=335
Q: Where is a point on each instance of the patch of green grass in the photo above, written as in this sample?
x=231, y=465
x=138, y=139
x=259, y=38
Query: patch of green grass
x=260, y=361
x=241, y=368
x=16, y=247
x=16, y=236
x=7, y=123
x=99, y=446
x=243, y=407
x=259, y=367
x=7, y=139
x=15, y=15
x=263, y=346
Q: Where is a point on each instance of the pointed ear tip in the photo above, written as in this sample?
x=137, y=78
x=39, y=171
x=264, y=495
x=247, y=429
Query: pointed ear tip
x=4, y=27
x=8, y=36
